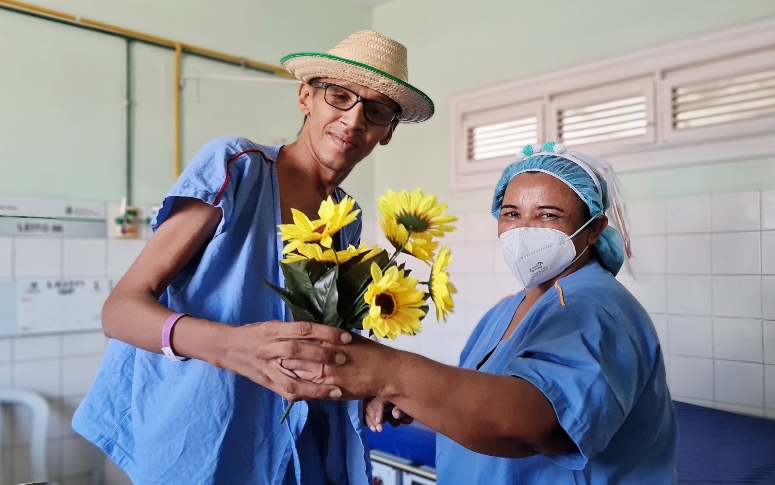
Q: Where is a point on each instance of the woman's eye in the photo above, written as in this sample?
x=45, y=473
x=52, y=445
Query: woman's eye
x=548, y=217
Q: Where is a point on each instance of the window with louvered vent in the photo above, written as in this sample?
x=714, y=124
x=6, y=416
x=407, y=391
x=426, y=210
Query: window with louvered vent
x=501, y=139
x=730, y=99
x=696, y=101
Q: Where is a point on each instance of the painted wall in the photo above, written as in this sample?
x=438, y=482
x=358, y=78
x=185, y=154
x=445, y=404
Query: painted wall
x=456, y=46
x=62, y=128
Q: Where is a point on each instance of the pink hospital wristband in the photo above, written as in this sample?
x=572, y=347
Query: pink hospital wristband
x=166, y=331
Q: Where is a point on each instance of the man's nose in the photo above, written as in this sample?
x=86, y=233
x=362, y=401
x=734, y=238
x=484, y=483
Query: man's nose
x=354, y=117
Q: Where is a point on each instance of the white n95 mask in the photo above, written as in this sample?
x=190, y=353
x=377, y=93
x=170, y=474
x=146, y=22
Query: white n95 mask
x=538, y=254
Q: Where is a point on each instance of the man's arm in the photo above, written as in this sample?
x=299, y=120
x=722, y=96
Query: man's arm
x=133, y=314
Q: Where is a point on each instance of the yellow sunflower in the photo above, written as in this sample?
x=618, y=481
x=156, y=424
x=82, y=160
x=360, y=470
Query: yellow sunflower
x=302, y=231
x=417, y=212
x=395, y=303
x=440, y=287
x=335, y=216
x=421, y=246
x=314, y=251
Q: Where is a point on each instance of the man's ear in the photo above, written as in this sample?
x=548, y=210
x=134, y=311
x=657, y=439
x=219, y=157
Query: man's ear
x=305, y=99
x=389, y=135
x=596, y=228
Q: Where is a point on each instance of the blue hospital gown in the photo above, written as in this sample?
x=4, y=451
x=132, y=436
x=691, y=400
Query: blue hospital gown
x=598, y=361
x=192, y=423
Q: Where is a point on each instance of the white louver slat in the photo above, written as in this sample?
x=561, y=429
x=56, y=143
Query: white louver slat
x=612, y=120
x=734, y=98
x=501, y=139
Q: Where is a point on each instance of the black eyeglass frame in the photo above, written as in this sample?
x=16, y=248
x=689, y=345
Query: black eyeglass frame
x=358, y=99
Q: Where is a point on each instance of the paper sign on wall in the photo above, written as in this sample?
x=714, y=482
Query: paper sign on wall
x=60, y=305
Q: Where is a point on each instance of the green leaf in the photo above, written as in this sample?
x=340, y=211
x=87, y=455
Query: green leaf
x=296, y=278
x=327, y=297
x=297, y=305
x=353, y=281
x=316, y=269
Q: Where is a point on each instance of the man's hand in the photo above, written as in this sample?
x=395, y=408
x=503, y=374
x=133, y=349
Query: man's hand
x=260, y=352
x=379, y=410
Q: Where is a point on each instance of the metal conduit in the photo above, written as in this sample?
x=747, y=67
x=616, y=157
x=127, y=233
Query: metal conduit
x=110, y=29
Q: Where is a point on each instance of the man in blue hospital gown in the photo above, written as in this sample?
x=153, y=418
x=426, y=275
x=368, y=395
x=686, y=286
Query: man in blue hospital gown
x=197, y=293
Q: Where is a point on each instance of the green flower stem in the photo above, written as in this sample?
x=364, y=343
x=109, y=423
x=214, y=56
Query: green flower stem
x=287, y=412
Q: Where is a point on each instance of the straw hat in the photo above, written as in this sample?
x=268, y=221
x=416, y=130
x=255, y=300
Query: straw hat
x=371, y=60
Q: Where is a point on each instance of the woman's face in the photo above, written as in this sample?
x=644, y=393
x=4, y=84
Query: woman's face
x=536, y=199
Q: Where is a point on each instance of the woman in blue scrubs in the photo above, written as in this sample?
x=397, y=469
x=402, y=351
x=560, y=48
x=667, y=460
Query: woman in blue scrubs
x=562, y=383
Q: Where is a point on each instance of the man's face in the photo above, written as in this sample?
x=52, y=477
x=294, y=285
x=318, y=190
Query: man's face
x=340, y=139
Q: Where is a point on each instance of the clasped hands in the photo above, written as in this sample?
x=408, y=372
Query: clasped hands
x=303, y=360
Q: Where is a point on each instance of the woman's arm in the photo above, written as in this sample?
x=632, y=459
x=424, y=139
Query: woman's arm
x=490, y=414
x=133, y=314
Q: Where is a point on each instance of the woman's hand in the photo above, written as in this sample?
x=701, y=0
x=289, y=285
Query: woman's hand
x=379, y=410
x=366, y=372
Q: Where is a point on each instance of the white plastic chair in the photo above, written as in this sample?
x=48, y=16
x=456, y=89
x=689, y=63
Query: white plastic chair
x=40, y=415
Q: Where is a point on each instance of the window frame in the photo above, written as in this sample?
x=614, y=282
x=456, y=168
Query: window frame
x=662, y=66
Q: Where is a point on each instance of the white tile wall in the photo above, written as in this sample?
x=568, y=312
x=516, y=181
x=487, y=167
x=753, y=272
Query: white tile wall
x=737, y=339
x=651, y=257
x=85, y=257
x=769, y=341
x=688, y=253
x=686, y=215
x=60, y=367
x=121, y=254
x=650, y=291
x=6, y=257
x=768, y=209
x=735, y=211
x=719, y=287
x=37, y=257
x=690, y=336
x=769, y=385
x=688, y=295
x=737, y=296
x=5, y=351
x=691, y=377
x=768, y=252
x=737, y=253
x=739, y=383
x=649, y=216
x=768, y=302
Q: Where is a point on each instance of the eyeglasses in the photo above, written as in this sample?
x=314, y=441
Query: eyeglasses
x=342, y=98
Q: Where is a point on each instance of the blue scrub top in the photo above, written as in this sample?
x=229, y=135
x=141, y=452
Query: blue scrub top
x=591, y=349
x=192, y=423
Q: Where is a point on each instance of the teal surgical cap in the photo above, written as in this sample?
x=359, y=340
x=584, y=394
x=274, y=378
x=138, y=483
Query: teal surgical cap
x=577, y=174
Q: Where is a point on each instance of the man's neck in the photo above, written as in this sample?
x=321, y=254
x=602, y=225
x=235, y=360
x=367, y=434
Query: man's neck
x=299, y=159
x=304, y=183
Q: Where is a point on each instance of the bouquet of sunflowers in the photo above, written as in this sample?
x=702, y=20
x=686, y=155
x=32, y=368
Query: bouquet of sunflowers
x=366, y=288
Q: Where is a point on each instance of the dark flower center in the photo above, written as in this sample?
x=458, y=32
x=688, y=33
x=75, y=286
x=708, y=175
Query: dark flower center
x=386, y=303
x=413, y=222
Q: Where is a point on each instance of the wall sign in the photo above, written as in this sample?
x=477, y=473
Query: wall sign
x=21, y=216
